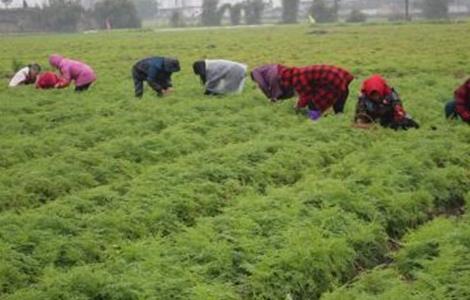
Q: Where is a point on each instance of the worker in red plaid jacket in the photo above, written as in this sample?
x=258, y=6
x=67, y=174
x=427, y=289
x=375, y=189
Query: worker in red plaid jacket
x=319, y=87
x=460, y=106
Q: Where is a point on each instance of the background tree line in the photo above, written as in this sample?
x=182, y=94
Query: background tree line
x=69, y=15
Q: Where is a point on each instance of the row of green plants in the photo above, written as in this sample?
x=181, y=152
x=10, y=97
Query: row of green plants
x=103, y=196
x=432, y=263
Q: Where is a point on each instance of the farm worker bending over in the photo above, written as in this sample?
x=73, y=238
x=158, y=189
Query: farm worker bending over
x=73, y=70
x=378, y=102
x=221, y=76
x=47, y=80
x=460, y=106
x=319, y=87
x=157, y=72
x=268, y=79
x=26, y=75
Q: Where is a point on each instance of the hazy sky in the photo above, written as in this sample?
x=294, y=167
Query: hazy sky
x=34, y=2
x=30, y=2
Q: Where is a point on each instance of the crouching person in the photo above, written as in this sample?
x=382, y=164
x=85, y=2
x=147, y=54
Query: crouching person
x=380, y=103
x=460, y=106
x=47, y=80
x=26, y=75
x=73, y=70
x=157, y=72
x=319, y=87
x=220, y=76
x=268, y=79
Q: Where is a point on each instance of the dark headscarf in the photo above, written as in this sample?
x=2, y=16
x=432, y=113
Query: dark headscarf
x=171, y=65
x=35, y=67
x=199, y=68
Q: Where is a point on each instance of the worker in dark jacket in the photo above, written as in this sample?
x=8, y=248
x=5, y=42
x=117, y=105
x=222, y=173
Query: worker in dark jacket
x=157, y=72
x=378, y=102
x=460, y=106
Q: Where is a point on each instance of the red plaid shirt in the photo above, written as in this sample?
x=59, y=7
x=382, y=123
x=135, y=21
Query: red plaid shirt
x=462, y=100
x=321, y=84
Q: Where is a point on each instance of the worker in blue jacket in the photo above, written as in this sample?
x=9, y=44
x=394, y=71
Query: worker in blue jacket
x=157, y=72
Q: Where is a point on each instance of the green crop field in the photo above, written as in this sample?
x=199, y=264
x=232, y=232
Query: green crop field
x=106, y=197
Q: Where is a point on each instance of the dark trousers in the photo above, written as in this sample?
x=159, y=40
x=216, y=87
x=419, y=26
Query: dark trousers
x=338, y=106
x=139, y=79
x=82, y=88
x=451, y=110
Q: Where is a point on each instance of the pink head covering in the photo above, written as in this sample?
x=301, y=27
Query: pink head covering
x=55, y=60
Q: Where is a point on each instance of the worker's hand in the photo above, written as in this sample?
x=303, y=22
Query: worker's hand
x=314, y=115
x=167, y=91
x=61, y=84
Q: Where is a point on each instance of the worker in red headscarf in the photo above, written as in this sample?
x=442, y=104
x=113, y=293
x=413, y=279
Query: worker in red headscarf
x=380, y=103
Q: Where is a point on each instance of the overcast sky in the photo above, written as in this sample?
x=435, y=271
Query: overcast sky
x=34, y=2
x=30, y=2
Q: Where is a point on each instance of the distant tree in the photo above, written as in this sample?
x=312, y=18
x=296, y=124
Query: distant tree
x=290, y=9
x=146, y=9
x=117, y=13
x=25, y=4
x=236, y=14
x=253, y=11
x=7, y=2
x=210, y=14
x=322, y=13
x=357, y=16
x=176, y=19
x=61, y=15
x=436, y=9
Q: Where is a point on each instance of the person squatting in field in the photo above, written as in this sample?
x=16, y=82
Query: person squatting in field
x=268, y=79
x=72, y=70
x=460, y=106
x=157, y=72
x=221, y=76
x=26, y=75
x=319, y=86
x=47, y=80
x=378, y=102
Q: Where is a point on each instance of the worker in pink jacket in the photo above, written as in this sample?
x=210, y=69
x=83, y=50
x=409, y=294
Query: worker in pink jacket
x=73, y=70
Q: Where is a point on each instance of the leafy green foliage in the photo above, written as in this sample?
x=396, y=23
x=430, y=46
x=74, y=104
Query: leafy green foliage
x=103, y=196
x=433, y=263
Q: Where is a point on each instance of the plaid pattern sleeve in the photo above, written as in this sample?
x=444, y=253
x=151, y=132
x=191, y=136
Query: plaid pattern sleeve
x=322, y=85
x=399, y=112
x=462, y=101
